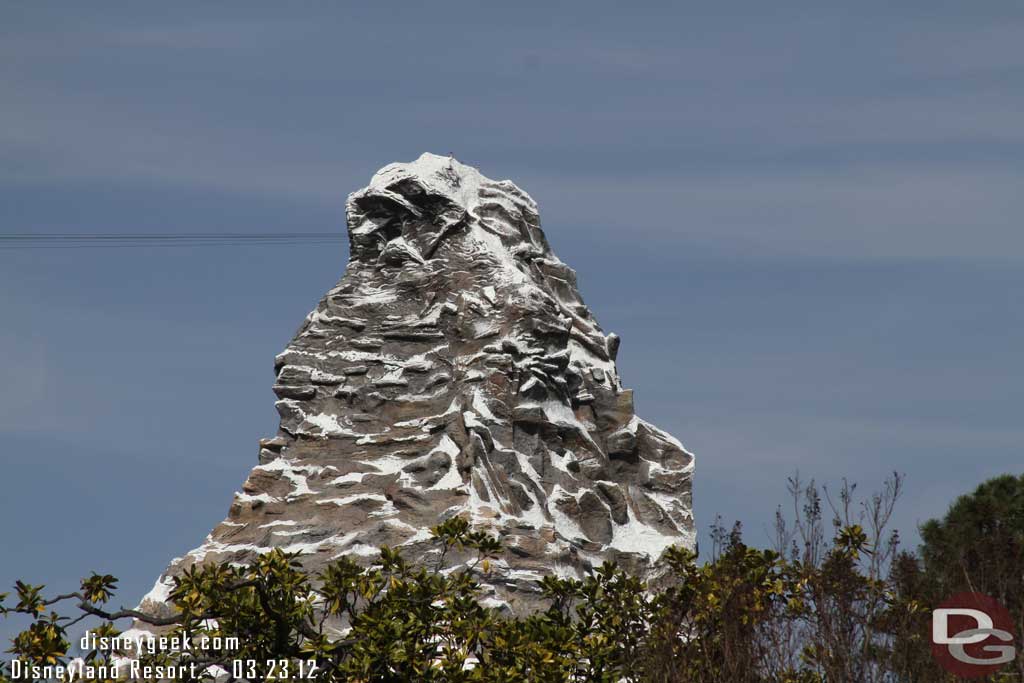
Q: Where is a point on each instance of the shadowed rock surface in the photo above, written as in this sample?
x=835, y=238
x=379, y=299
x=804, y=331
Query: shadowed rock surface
x=455, y=370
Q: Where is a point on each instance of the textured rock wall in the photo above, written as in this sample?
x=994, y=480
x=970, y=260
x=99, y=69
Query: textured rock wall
x=455, y=370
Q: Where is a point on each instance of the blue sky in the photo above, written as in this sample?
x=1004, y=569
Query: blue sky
x=804, y=219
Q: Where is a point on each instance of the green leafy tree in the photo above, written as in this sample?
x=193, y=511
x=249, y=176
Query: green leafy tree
x=979, y=543
x=978, y=546
x=833, y=600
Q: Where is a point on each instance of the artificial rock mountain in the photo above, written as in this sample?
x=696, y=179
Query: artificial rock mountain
x=455, y=370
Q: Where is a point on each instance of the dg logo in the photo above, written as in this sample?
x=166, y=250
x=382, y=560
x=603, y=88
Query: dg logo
x=972, y=635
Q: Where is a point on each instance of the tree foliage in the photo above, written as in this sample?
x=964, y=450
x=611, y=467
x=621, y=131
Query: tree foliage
x=978, y=546
x=833, y=600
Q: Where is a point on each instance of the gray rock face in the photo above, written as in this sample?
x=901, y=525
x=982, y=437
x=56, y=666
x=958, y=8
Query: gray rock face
x=455, y=370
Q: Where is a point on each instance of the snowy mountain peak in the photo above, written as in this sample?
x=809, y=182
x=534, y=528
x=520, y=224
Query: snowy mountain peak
x=455, y=370
x=408, y=209
x=446, y=176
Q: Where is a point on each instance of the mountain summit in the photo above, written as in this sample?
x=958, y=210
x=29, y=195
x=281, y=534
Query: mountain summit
x=455, y=370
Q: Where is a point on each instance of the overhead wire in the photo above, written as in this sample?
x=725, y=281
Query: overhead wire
x=85, y=240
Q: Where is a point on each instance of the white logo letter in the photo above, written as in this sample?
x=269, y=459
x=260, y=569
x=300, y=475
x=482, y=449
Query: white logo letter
x=1004, y=653
x=940, y=626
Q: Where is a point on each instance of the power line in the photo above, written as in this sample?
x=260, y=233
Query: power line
x=99, y=240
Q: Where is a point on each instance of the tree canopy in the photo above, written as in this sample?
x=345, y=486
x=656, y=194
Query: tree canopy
x=833, y=600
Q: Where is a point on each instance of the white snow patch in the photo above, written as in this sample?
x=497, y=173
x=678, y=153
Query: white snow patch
x=303, y=548
x=636, y=537
x=564, y=525
x=420, y=536
x=328, y=424
x=297, y=532
x=161, y=590
x=354, y=477
x=249, y=498
x=278, y=522
x=362, y=549
x=524, y=575
x=561, y=462
x=480, y=405
x=321, y=377
x=451, y=479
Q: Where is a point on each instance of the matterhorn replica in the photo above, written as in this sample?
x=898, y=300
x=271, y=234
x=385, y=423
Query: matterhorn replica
x=455, y=370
